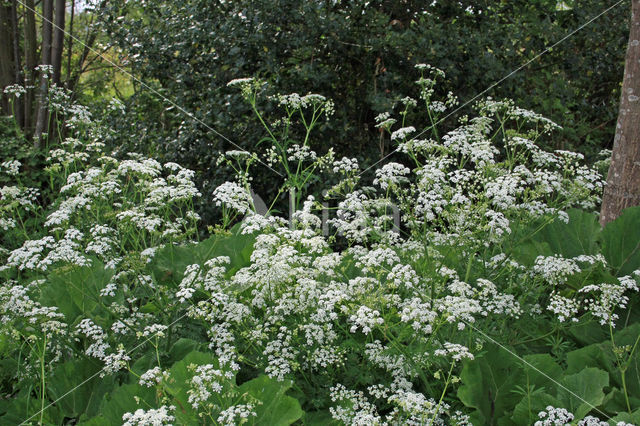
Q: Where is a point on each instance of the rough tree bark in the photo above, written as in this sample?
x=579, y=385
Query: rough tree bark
x=43, y=113
x=58, y=41
x=30, y=58
x=17, y=62
x=6, y=55
x=623, y=180
x=70, y=42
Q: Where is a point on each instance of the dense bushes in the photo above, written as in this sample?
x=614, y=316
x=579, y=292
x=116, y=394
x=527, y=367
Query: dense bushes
x=498, y=299
x=362, y=56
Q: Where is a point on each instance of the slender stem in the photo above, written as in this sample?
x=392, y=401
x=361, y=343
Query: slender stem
x=446, y=385
x=42, y=379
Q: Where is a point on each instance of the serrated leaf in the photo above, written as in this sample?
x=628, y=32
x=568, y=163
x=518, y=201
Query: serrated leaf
x=579, y=236
x=77, y=291
x=582, y=392
x=86, y=396
x=123, y=400
x=169, y=264
x=488, y=385
x=526, y=411
x=277, y=408
x=540, y=370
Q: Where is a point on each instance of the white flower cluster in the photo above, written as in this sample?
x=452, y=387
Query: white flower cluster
x=11, y=167
x=15, y=90
x=236, y=414
x=354, y=409
x=41, y=254
x=402, y=133
x=384, y=121
x=153, y=377
x=556, y=269
x=455, y=351
x=294, y=101
x=233, y=196
x=553, y=416
x=345, y=165
x=206, y=380
x=565, y=308
x=16, y=305
x=150, y=417
x=280, y=355
x=391, y=174
x=366, y=319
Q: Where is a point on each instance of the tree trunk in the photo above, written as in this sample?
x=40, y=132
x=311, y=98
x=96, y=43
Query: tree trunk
x=70, y=42
x=79, y=69
x=623, y=180
x=43, y=115
x=58, y=41
x=30, y=53
x=17, y=63
x=6, y=56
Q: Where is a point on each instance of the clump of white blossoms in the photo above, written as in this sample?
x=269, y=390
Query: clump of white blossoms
x=153, y=377
x=564, y=307
x=10, y=167
x=554, y=416
x=606, y=298
x=555, y=270
x=236, y=414
x=402, y=133
x=365, y=319
x=384, y=121
x=206, y=381
x=455, y=351
x=391, y=174
x=150, y=417
x=233, y=196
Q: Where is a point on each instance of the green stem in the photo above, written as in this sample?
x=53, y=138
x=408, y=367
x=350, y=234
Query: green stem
x=444, y=391
x=43, y=381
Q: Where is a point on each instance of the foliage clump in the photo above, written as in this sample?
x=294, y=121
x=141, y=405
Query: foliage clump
x=469, y=283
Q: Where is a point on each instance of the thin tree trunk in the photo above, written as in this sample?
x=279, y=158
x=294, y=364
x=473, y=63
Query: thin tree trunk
x=31, y=53
x=17, y=65
x=58, y=40
x=70, y=42
x=88, y=45
x=623, y=181
x=6, y=56
x=43, y=114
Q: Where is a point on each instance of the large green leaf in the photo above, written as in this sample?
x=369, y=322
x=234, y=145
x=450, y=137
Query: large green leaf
x=600, y=355
x=536, y=387
x=77, y=389
x=179, y=384
x=123, y=400
x=17, y=410
x=583, y=391
x=526, y=411
x=488, y=385
x=170, y=262
x=633, y=418
x=540, y=370
x=319, y=418
x=579, y=236
x=621, y=242
x=76, y=290
x=181, y=348
x=277, y=408
x=588, y=332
